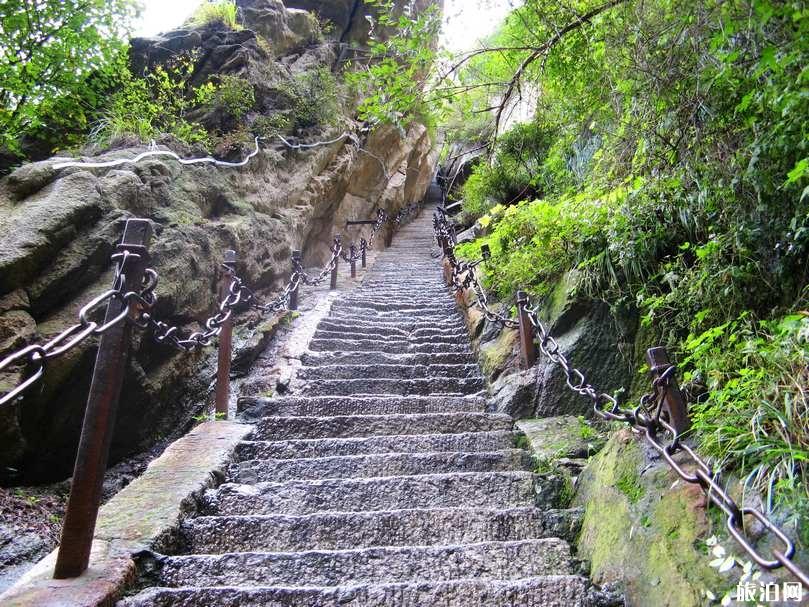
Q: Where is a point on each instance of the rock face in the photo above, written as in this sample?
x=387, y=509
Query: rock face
x=61, y=226
x=642, y=530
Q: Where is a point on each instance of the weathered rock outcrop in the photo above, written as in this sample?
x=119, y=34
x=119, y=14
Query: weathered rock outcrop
x=60, y=227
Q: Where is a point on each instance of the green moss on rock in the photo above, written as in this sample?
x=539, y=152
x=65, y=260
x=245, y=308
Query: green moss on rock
x=642, y=528
x=495, y=354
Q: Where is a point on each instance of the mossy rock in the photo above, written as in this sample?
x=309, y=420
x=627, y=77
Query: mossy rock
x=495, y=355
x=561, y=436
x=642, y=528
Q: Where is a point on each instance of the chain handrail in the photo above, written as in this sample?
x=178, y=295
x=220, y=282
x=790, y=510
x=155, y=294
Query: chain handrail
x=138, y=308
x=37, y=355
x=646, y=419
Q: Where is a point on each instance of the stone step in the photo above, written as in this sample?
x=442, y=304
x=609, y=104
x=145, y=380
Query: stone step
x=418, y=298
x=433, y=313
x=313, y=359
x=377, y=465
x=386, y=346
x=419, y=443
x=394, y=329
x=346, y=530
x=389, y=371
x=545, y=591
x=424, y=386
x=409, y=338
x=455, y=490
x=403, y=324
x=251, y=407
x=423, y=305
x=357, y=426
x=488, y=560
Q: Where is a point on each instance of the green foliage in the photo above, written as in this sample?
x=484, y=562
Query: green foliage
x=217, y=12
x=674, y=180
x=754, y=410
x=517, y=171
x=155, y=104
x=628, y=483
x=57, y=60
x=313, y=98
x=402, y=51
x=234, y=96
x=272, y=125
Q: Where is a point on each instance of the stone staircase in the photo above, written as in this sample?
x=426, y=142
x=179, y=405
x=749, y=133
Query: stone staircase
x=381, y=480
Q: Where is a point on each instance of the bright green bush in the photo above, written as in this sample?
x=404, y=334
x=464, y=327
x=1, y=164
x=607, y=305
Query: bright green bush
x=517, y=172
x=58, y=59
x=235, y=96
x=315, y=95
x=155, y=104
x=755, y=414
x=217, y=12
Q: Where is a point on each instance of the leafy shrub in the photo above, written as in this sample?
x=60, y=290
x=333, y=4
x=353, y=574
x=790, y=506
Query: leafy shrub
x=754, y=413
x=315, y=98
x=402, y=53
x=235, y=96
x=273, y=124
x=217, y=12
x=676, y=185
x=153, y=105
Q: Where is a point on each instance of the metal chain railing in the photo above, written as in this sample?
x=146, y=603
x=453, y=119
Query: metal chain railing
x=660, y=417
x=36, y=356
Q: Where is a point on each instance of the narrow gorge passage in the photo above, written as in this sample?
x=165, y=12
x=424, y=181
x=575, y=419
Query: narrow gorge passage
x=383, y=481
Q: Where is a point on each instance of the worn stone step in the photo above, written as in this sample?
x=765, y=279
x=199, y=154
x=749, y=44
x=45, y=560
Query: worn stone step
x=454, y=490
x=385, y=346
x=403, y=324
x=409, y=338
x=389, y=371
x=398, y=329
x=313, y=359
x=545, y=591
x=325, y=406
x=432, y=313
x=424, y=386
x=345, y=530
x=419, y=443
x=488, y=560
x=421, y=303
x=377, y=465
x=356, y=426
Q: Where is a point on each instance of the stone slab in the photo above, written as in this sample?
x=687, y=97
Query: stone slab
x=133, y=520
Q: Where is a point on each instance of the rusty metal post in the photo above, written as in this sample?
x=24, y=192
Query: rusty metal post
x=364, y=251
x=389, y=238
x=293, y=296
x=225, y=340
x=336, y=264
x=674, y=404
x=528, y=350
x=100, y=414
x=352, y=252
